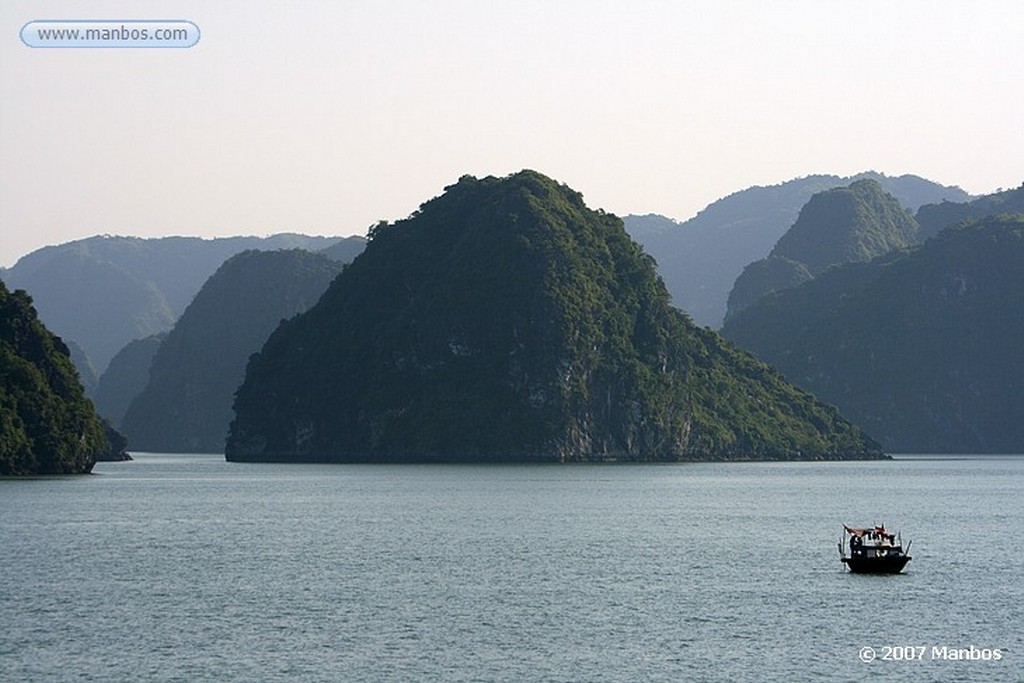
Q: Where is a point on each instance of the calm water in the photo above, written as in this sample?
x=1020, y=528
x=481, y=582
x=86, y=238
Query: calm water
x=188, y=568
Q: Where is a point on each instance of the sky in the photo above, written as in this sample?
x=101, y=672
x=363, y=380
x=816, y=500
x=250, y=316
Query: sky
x=326, y=117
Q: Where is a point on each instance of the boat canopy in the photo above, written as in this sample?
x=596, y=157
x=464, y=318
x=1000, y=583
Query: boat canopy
x=874, y=532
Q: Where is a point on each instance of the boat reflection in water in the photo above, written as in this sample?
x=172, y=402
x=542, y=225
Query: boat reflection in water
x=873, y=551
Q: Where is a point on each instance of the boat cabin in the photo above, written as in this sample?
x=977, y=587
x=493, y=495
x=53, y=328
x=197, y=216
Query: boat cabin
x=873, y=550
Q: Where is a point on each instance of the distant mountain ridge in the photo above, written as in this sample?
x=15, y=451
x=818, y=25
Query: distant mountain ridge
x=841, y=225
x=195, y=370
x=934, y=217
x=102, y=292
x=701, y=258
x=126, y=377
x=919, y=347
x=506, y=321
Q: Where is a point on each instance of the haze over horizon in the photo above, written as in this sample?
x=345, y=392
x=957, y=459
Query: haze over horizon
x=323, y=118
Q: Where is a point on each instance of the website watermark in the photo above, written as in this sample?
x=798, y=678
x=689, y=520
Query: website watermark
x=921, y=653
x=126, y=33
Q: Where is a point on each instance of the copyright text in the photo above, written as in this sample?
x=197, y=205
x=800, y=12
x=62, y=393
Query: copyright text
x=917, y=653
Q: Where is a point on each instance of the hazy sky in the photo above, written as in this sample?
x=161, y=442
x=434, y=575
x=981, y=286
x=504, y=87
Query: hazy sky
x=324, y=117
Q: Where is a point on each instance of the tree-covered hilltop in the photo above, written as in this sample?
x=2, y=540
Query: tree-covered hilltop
x=186, y=405
x=920, y=347
x=47, y=425
x=837, y=226
x=701, y=258
x=503, y=321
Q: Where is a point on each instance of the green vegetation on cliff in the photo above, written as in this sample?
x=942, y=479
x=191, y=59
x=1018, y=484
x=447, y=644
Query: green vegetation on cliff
x=505, y=320
x=47, y=425
x=186, y=404
x=920, y=347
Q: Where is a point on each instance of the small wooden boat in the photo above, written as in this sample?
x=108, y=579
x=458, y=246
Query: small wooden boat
x=873, y=551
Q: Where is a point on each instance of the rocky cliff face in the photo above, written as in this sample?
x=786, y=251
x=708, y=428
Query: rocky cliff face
x=503, y=321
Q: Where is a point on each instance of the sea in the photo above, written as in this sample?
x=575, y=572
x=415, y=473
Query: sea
x=177, y=567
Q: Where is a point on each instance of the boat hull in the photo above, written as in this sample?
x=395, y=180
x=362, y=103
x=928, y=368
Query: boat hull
x=876, y=565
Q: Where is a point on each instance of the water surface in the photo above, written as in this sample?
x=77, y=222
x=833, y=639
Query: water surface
x=189, y=568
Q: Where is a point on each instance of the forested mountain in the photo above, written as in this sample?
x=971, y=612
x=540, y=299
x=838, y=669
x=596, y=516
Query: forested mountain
x=186, y=404
x=921, y=347
x=103, y=292
x=504, y=320
x=47, y=425
x=836, y=226
x=935, y=217
x=701, y=258
x=126, y=377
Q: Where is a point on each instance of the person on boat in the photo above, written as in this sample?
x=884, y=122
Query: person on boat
x=856, y=546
